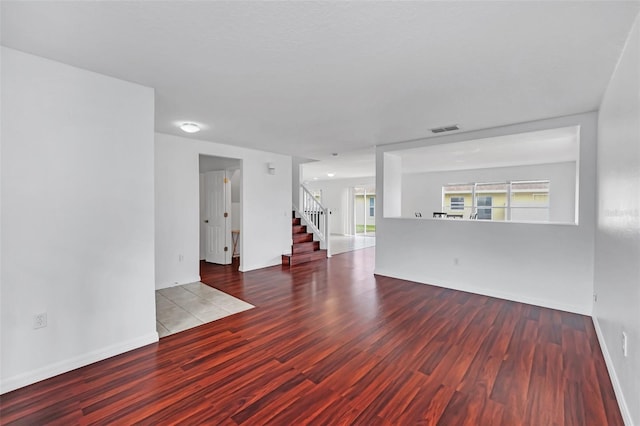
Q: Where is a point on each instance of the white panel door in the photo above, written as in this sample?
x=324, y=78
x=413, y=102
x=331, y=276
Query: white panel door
x=218, y=219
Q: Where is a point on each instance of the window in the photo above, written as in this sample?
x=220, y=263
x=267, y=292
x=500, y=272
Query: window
x=457, y=203
x=457, y=198
x=484, y=204
x=416, y=173
x=372, y=206
x=491, y=201
x=523, y=201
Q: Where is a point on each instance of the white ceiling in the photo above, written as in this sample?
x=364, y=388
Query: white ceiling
x=352, y=164
x=312, y=78
x=541, y=147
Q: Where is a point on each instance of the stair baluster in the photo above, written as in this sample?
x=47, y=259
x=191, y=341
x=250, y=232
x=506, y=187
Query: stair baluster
x=314, y=217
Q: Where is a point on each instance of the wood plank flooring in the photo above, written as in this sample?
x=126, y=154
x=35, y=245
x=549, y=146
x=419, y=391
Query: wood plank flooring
x=330, y=343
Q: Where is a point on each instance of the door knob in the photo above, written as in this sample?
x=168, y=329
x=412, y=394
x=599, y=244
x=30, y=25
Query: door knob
x=206, y=221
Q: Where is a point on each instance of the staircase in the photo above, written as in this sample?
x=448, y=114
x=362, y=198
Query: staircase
x=304, y=248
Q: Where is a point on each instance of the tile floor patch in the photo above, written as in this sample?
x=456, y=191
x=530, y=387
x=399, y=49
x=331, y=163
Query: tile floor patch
x=190, y=305
x=344, y=243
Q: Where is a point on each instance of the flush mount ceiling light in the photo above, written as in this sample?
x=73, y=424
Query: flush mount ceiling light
x=331, y=174
x=190, y=127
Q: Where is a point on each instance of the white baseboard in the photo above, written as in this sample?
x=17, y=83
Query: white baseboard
x=491, y=293
x=624, y=409
x=617, y=389
x=189, y=280
x=275, y=262
x=48, y=371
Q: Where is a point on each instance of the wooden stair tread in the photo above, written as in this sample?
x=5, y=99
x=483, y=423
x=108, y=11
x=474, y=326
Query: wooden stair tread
x=302, y=238
x=305, y=247
x=298, y=229
x=298, y=258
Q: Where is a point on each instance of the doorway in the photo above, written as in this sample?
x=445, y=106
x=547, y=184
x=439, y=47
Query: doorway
x=220, y=209
x=364, y=211
x=357, y=217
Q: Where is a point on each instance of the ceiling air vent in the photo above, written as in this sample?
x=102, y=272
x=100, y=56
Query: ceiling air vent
x=445, y=129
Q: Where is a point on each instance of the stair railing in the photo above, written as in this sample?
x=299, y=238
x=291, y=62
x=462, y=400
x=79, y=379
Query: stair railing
x=315, y=216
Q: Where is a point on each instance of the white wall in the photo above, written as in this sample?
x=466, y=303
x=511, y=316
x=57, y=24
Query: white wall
x=265, y=199
x=296, y=162
x=390, y=181
x=543, y=264
x=422, y=192
x=617, y=254
x=77, y=217
x=337, y=195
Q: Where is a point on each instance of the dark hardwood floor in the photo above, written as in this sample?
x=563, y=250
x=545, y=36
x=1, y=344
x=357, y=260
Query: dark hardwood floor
x=330, y=343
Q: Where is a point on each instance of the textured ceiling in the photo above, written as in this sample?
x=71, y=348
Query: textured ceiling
x=312, y=78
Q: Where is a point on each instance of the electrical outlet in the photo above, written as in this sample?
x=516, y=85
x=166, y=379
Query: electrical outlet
x=180, y=258
x=40, y=320
x=625, y=344
x=456, y=261
x=595, y=297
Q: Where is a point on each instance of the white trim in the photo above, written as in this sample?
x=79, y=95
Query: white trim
x=582, y=310
x=46, y=372
x=274, y=262
x=195, y=279
x=617, y=389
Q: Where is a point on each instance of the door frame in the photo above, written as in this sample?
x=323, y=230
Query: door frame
x=230, y=165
